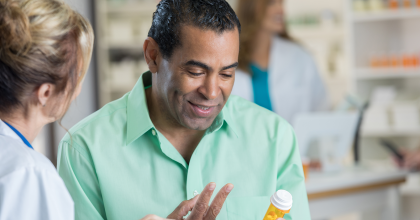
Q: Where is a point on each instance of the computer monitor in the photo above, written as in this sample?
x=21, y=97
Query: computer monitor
x=333, y=131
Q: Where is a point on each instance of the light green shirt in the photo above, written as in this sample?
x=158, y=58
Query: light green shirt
x=116, y=165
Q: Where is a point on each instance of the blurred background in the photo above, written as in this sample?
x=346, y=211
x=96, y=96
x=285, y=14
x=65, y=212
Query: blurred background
x=367, y=53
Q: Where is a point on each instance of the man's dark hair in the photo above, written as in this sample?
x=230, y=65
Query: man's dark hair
x=215, y=15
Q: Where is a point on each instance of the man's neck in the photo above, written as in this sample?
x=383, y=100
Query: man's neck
x=183, y=139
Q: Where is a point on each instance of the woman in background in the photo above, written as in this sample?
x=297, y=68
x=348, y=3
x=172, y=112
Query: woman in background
x=274, y=71
x=45, y=51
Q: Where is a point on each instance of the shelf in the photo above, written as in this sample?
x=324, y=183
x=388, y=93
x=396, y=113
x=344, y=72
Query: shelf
x=388, y=73
x=386, y=15
x=316, y=32
x=391, y=133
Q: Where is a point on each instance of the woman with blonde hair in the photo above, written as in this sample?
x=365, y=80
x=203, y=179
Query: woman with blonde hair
x=45, y=51
x=274, y=71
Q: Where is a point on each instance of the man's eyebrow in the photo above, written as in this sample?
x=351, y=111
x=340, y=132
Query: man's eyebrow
x=197, y=63
x=230, y=66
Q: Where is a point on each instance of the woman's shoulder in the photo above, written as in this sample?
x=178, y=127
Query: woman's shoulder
x=15, y=156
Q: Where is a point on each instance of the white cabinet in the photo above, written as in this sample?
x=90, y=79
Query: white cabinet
x=384, y=51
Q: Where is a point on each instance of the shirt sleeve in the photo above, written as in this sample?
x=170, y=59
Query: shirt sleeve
x=77, y=169
x=290, y=175
x=34, y=194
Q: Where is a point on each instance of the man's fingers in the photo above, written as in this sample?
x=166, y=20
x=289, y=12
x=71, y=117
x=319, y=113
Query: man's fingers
x=183, y=209
x=154, y=217
x=218, y=201
x=202, y=203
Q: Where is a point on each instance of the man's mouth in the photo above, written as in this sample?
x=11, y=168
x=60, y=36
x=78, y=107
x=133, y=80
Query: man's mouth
x=202, y=110
x=203, y=107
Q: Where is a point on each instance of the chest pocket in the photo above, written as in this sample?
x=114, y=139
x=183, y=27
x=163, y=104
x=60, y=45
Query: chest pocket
x=247, y=208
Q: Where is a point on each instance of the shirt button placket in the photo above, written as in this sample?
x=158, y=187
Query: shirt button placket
x=194, y=179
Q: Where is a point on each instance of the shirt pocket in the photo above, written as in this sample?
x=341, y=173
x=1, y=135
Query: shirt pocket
x=247, y=208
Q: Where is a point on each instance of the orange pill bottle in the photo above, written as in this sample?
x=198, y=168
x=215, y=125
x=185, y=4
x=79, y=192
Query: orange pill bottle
x=281, y=203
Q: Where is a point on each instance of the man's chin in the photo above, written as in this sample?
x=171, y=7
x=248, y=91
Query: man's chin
x=199, y=124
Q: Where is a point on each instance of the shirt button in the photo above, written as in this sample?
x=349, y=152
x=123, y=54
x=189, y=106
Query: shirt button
x=153, y=132
x=195, y=193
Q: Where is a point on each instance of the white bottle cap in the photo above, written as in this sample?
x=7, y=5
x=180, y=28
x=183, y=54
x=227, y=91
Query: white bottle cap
x=282, y=200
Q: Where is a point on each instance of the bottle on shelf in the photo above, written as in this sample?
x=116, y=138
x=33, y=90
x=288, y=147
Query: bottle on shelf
x=407, y=3
x=407, y=61
x=394, y=60
x=379, y=60
x=393, y=4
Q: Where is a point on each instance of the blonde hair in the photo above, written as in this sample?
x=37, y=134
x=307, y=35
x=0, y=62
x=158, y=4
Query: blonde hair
x=41, y=41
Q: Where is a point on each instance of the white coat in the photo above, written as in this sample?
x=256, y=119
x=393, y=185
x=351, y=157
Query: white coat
x=30, y=187
x=295, y=85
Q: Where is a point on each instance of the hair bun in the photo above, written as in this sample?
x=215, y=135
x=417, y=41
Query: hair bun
x=15, y=34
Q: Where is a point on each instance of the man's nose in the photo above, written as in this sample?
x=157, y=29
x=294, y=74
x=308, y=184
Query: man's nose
x=210, y=88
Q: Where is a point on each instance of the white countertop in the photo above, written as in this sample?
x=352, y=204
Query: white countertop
x=349, y=178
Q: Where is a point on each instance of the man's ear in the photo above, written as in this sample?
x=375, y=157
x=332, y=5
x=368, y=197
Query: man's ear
x=44, y=93
x=151, y=52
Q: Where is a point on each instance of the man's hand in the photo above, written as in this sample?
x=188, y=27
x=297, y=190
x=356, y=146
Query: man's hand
x=200, y=204
x=153, y=217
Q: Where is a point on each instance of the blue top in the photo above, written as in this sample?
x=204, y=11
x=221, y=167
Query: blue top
x=20, y=135
x=260, y=86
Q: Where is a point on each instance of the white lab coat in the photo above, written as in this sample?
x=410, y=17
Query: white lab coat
x=295, y=85
x=30, y=187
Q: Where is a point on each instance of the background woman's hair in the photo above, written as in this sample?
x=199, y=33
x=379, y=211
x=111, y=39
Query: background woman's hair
x=251, y=14
x=41, y=41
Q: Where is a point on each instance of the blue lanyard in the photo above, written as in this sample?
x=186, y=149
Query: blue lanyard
x=20, y=135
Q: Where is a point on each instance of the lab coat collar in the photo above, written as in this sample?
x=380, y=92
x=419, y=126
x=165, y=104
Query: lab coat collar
x=8, y=132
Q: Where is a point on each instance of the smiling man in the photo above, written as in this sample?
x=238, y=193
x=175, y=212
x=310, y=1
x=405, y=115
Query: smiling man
x=179, y=129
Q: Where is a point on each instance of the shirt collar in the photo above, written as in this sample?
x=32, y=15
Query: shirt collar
x=138, y=118
x=224, y=117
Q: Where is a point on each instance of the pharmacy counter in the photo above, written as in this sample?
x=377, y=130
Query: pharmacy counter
x=354, y=190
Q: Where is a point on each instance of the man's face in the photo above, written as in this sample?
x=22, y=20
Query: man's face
x=196, y=82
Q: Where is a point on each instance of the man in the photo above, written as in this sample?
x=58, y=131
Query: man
x=178, y=130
